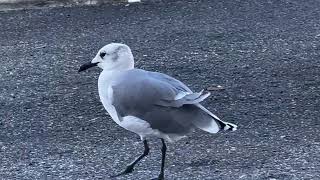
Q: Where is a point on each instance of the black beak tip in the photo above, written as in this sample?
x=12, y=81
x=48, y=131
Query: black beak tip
x=80, y=69
x=87, y=66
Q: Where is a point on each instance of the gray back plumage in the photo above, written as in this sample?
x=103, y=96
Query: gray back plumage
x=141, y=93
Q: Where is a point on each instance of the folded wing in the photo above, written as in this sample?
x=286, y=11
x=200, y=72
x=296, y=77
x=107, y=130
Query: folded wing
x=164, y=102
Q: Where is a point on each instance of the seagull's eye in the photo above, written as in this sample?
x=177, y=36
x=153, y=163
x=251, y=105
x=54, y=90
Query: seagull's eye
x=102, y=54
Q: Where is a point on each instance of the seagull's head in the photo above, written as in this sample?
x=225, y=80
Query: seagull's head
x=114, y=56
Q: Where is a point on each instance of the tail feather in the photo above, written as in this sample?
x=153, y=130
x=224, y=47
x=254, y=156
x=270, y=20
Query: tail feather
x=227, y=126
x=215, y=123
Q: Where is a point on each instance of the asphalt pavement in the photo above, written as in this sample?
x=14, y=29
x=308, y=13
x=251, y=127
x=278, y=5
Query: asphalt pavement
x=265, y=55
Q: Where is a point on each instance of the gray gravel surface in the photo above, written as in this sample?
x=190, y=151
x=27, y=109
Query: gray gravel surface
x=265, y=55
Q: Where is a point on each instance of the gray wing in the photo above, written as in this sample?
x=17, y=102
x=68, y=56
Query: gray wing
x=178, y=85
x=153, y=97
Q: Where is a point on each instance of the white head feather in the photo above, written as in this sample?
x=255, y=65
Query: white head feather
x=114, y=57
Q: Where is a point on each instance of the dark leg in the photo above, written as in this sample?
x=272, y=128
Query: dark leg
x=129, y=168
x=163, y=150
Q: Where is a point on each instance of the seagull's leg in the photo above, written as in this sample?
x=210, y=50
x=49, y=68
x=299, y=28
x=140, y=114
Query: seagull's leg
x=163, y=150
x=129, y=168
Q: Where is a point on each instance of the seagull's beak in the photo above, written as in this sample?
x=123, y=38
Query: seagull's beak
x=87, y=66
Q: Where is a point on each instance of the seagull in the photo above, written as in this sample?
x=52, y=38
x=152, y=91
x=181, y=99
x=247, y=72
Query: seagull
x=150, y=104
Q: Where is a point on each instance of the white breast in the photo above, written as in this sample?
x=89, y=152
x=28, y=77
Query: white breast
x=106, y=94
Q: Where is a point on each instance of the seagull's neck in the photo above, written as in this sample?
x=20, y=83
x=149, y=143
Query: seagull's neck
x=107, y=76
x=105, y=82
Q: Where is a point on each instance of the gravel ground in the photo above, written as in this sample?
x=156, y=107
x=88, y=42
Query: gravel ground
x=265, y=55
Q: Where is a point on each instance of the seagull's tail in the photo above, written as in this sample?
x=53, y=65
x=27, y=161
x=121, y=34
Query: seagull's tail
x=212, y=124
